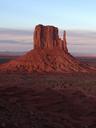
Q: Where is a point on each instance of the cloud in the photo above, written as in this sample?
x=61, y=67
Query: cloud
x=81, y=37
x=80, y=41
x=11, y=39
x=15, y=31
x=21, y=40
x=12, y=42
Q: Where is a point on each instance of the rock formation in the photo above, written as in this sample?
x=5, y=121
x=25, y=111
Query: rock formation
x=48, y=37
x=50, y=54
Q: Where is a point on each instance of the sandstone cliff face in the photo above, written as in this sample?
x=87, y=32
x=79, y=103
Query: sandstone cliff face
x=50, y=54
x=48, y=37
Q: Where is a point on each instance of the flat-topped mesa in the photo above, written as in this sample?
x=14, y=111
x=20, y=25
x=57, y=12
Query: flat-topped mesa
x=48, y=37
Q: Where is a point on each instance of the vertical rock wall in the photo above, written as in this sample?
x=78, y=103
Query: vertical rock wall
x=48, y=37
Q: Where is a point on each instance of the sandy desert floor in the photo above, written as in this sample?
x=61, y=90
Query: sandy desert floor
x=47, y=100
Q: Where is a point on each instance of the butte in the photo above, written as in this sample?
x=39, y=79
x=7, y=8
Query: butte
x=50, y=54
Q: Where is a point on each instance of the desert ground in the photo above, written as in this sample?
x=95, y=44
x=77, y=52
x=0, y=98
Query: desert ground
x=47, y=100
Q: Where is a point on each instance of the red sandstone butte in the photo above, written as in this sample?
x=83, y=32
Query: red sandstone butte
x=48, y=37
x=50, y=54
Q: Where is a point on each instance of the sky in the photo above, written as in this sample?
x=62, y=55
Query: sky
x=19, y=17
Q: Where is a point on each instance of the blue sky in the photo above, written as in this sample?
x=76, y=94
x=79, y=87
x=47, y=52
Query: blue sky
x=68, y=14
x=75, y=16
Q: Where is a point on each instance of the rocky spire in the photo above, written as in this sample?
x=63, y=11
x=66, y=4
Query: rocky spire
x=48, y=37
x=64, y=41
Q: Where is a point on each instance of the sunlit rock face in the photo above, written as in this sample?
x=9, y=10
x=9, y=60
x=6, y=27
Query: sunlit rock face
x=48, y=37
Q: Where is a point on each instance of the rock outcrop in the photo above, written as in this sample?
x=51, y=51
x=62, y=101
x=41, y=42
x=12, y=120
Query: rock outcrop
x=48, y=37
x=50, y=54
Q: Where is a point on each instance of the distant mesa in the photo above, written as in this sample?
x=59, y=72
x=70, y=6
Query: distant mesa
x=50, y=54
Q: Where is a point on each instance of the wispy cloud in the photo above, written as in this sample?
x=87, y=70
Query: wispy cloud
x=81, y=37
x=81, y=42
x=11, y=39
